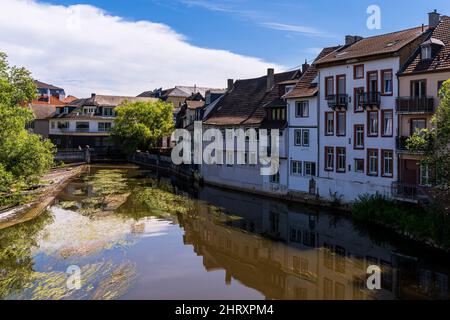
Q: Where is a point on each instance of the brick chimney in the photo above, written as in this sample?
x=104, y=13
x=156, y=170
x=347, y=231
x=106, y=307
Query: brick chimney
x=270, y=78
x=230, y=84
x=433, y=19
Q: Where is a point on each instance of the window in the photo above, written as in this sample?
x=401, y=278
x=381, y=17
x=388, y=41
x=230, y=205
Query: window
x=372, y=162
x=359, y=165
x=329, y=123
x=329, y=158
x=278, y=114
x=387, y=123
x=358, y=139
x=305, y=136
x=296, y=167
x=104, y=126
x=89, y=110
x=418, y=125
x=310, y=168
x=387, y=82
x=357, y=99
x=230, y=158
x=424, y=175
x=275, y=178
x=358, y=71
x=82, y=126
x=372, y=81
x=329, y=86
x=63, y=125
x=108, y=112
x=52, y=124
x=419, y=89
x=298, y=137
x=439, y=86
x=426, y=52
x=340, y=159
x=289, y=88
x=340, y=123
x=372, y=123
x=340, y=83
x=387, y=163
x=302, y=109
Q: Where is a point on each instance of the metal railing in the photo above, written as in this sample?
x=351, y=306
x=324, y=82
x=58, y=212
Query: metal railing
x=415, y=105
x=369, y=99
x=408, y=192
x=337, y=100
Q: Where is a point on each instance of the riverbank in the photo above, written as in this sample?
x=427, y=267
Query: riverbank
x=51, y=184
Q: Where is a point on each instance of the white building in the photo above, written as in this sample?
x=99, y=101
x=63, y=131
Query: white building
x=358, y=87
x=303, y=130
x=251, y=103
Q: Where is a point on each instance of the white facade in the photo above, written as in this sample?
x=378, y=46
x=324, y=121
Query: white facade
x=72, y=126
x=302, y=144
x=248, y=176
x=345, y=182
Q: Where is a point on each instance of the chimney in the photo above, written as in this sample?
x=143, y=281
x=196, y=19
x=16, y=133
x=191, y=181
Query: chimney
x=270, y=78
x=433, y=19
x=230, y=84
x=305, y=67
x=93, y=95
x=349, y=40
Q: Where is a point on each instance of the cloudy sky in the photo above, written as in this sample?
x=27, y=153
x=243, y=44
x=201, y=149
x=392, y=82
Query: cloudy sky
x=126, y=47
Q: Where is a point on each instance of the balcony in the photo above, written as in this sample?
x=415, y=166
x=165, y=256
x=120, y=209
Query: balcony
x=412, y=105
x=369, y=99
x=401, y=146
x=339, y=101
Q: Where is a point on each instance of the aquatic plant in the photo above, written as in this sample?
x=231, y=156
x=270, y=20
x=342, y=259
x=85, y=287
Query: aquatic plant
x=409, y=219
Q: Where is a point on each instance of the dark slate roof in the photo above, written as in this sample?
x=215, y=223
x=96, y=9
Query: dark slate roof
x=373, y=46
x=43, y=85
x=244, y=104
x=441, y=59
x=305, y=86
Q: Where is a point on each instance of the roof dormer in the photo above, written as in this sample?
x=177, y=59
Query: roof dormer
x=430, y=48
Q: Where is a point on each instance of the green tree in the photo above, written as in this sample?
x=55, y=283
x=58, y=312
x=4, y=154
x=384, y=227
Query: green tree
x=139, y=125
x=435, y=143
x=24, y=156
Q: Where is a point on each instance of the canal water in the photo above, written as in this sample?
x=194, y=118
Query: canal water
x=129, y=233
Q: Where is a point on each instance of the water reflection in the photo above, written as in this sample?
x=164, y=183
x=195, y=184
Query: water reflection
x=137, y=234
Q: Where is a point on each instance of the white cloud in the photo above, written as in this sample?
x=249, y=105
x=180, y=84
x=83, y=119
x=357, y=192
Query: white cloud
x=303, y=30
x=84, y=50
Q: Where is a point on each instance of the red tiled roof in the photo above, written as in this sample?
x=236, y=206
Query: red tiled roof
x=53, y=101
x=373, y=46
x=305, y=87
x=244, y=104
x=441, y=60
x=69, y=99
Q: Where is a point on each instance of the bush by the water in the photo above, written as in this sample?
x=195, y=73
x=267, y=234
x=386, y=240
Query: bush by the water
x=423, y=224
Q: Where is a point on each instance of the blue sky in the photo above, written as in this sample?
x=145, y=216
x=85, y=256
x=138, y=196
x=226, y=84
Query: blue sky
x=129, y=46
x=249, y=27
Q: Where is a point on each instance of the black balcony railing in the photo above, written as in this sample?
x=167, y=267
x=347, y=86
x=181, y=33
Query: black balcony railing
x=369, y=99
x=401, y=143
x=415, y=105
x=337, y=101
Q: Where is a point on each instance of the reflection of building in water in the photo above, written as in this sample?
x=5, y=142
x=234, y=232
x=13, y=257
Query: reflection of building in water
x=314, y=257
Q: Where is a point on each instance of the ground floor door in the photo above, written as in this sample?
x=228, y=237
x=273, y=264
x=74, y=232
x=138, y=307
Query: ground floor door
x=410, y=172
